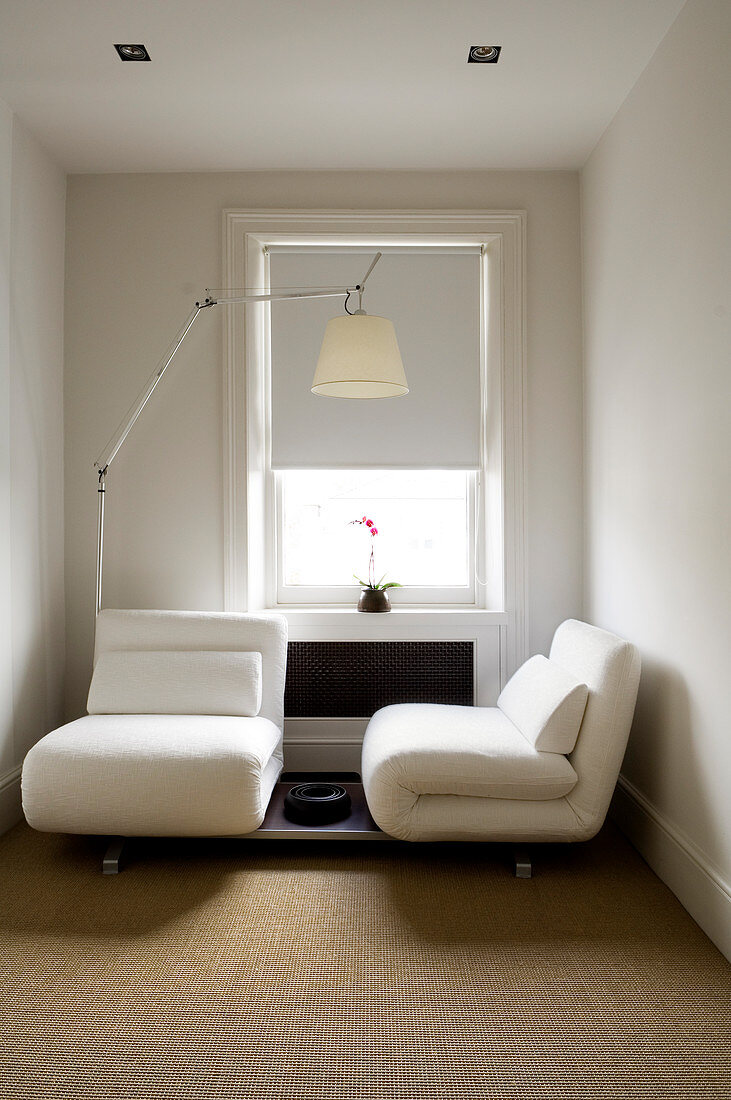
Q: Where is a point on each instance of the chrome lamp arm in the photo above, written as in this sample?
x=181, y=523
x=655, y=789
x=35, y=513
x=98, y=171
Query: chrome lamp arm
x=213, y=298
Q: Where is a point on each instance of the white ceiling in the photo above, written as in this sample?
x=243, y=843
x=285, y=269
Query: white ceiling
x=323, y=84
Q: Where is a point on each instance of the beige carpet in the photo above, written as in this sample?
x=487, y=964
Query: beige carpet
x=225, y=970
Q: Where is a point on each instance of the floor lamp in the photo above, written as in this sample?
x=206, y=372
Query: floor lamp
x=359, y=358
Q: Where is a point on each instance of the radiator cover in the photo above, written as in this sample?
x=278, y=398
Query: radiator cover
x=355, y=679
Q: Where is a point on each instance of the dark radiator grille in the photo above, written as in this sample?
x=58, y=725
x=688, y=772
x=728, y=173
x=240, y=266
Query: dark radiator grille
x=354, y=679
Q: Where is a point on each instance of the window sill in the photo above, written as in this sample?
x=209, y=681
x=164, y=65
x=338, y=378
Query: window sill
x=309, y=623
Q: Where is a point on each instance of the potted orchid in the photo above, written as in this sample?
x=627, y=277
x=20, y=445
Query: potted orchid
x=373, y=593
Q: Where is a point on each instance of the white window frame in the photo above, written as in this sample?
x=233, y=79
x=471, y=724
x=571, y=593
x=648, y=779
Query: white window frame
x=249, y=500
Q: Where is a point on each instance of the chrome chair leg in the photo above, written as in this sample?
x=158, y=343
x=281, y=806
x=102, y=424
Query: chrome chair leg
x=522, y=863
x=112, y=861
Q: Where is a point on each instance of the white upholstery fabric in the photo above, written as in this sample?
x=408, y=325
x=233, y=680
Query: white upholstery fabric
x=198, y=630
x=417, y=751
x=610, y=666
x=174, y=682
x=153, y=775
x=393, y=757
x=546, y=703
x=166, y=774
x=505, y=820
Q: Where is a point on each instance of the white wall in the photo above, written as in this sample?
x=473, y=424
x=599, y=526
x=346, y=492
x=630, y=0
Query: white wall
x=32, y=212
x=140, y=249
x=657, y=279
x=8, y=778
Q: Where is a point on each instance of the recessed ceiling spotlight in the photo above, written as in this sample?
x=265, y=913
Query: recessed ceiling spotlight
x=484, y=55
x=132, y=53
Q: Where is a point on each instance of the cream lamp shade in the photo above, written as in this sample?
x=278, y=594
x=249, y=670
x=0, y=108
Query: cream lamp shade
x=359, y=358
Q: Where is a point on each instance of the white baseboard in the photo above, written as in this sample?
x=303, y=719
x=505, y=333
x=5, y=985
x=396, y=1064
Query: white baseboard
x=674, y=858
x=321, y=756
x=10, y=808
x=323, y=744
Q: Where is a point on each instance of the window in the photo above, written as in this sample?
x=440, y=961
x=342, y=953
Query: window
x=409, y=463
x=425, y=523
x=252, y=473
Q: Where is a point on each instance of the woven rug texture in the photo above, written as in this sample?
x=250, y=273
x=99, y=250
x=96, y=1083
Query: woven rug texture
x=263, y=970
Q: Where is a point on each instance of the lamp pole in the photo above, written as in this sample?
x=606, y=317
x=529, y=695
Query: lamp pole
x=227, y=298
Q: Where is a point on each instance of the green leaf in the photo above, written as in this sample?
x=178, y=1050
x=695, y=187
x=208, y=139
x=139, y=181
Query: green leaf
x=378, y=587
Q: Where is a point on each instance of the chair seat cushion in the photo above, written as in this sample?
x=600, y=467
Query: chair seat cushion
x=473, y=751
x=153, y=775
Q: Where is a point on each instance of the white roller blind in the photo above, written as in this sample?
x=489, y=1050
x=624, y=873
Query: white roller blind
x=433, y=301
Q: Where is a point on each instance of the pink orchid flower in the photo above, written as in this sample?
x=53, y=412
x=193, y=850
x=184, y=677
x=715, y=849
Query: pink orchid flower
x=372, y=582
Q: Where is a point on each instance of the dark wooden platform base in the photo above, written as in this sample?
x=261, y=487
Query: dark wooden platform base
x=359, y=825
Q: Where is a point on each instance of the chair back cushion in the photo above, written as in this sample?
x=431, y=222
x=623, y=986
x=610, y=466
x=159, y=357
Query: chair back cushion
x=610, y=667
x=203, y=631
x=159, y=681
x=546, y=703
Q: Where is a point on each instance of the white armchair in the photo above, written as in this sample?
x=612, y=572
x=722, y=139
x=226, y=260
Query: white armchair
x=184, y=734
x=507, y=773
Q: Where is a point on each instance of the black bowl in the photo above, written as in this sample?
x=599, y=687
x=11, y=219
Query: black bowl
x=316, y=803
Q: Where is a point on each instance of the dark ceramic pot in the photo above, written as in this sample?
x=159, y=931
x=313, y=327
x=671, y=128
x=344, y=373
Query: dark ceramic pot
x=374, y=599
x=317, y=803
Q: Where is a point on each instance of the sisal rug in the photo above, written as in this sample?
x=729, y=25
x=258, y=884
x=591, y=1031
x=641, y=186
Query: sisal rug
x=224, y=970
